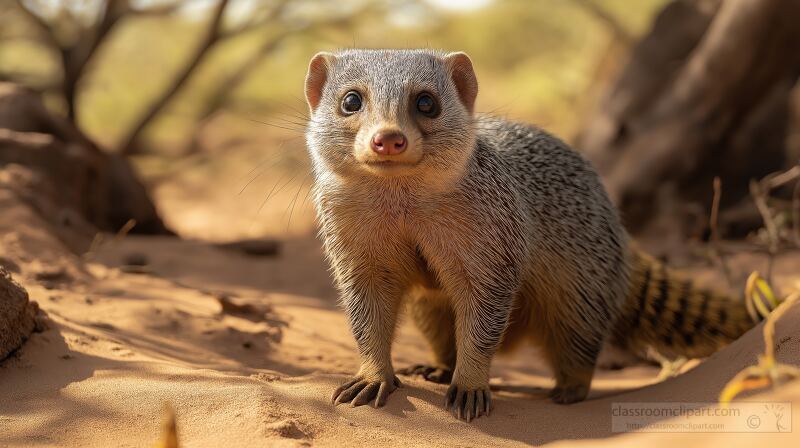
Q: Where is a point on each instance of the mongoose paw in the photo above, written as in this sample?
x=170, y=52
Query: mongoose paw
x=436, y=375
x=468, y=404
x=360, y=391
x=568, y=395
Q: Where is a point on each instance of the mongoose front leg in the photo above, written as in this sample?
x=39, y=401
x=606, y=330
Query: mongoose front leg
x=372, y=311
x=480, y=322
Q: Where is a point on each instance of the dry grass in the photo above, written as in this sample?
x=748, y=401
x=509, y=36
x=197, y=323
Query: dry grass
x=768, y=372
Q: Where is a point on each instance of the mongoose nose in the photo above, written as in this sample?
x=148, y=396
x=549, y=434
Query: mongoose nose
x=389, y=143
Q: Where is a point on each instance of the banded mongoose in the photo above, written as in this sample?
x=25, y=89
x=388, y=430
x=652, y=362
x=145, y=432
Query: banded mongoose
x=490, y=232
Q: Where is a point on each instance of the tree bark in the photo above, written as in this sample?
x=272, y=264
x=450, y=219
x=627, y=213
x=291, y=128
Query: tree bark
x=700, y=106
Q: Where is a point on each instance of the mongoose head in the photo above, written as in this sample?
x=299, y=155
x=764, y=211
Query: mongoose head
x=391, y=113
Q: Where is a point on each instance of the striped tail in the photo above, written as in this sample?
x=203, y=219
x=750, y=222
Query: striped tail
x=668, y=314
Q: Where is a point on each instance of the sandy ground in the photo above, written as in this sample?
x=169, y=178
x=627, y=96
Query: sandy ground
x=260, y=370
x=121, y=345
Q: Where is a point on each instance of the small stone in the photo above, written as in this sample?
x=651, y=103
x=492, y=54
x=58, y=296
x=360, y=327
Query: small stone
x=136, y=259
x=134, y=269
x=286, y=428
x=53, y=275
x=255, y=247
x=266, y=376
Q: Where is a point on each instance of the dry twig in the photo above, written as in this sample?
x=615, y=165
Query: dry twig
x=768, y=371
x=760, y=191
x=760, y=195
x=716, y=249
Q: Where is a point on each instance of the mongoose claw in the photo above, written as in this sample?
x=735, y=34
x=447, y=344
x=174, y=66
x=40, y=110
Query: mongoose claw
x=468, y=404
x=436, y=375
x=359, y=391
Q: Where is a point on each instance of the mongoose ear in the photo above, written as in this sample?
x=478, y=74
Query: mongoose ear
x=316, y=77
x=463, y=76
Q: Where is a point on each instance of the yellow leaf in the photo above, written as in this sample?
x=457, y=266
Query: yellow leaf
x=169, y=430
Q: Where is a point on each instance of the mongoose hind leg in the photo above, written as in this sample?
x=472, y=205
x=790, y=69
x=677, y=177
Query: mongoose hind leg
x=438, y=375
x=433, y=316
x=573, y=358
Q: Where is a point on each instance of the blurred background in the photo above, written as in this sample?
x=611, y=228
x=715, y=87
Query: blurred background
x=188, y=116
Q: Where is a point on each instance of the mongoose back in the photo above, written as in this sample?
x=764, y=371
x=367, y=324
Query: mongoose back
x=490, y=232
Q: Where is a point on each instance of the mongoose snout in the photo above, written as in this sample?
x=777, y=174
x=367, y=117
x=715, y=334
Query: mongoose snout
x=389, y=143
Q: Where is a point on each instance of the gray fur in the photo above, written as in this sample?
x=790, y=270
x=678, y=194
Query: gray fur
x=499, y=221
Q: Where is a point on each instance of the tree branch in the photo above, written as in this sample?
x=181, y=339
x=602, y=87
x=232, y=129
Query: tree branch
x=221, y=95
x=128, y=144
x=619, y=31
x=255, y=22
x=76, y=56
x=159, y=10
x=222, y=92
x=46, y=31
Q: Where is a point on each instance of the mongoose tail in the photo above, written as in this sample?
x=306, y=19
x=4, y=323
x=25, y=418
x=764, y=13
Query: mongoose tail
x=668, y=313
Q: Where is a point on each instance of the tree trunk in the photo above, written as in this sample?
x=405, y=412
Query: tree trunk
x=705, y=94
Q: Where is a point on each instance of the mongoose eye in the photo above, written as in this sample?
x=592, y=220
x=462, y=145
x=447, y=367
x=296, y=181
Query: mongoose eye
x=351, y=103
x=427, y=105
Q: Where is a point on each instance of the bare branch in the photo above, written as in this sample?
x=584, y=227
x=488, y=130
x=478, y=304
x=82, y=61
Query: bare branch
x=46, y=31
x=760, y=198
x=159, y=10
x=114, y=11
x=776, y=180
x=211, y=37
x=715, y=238
x=256, y=22
x=75, y=56
x=796, y=213
x=221, y=94
x=619, y=31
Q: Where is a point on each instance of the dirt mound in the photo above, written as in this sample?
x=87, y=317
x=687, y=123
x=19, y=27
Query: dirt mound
x=102, y=188
x=17, y=314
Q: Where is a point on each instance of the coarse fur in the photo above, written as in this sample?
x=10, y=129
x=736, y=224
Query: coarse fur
x=490, y=232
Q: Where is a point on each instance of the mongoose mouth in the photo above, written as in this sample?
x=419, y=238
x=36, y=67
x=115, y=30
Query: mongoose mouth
x=390, y=167
x=390, y=163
